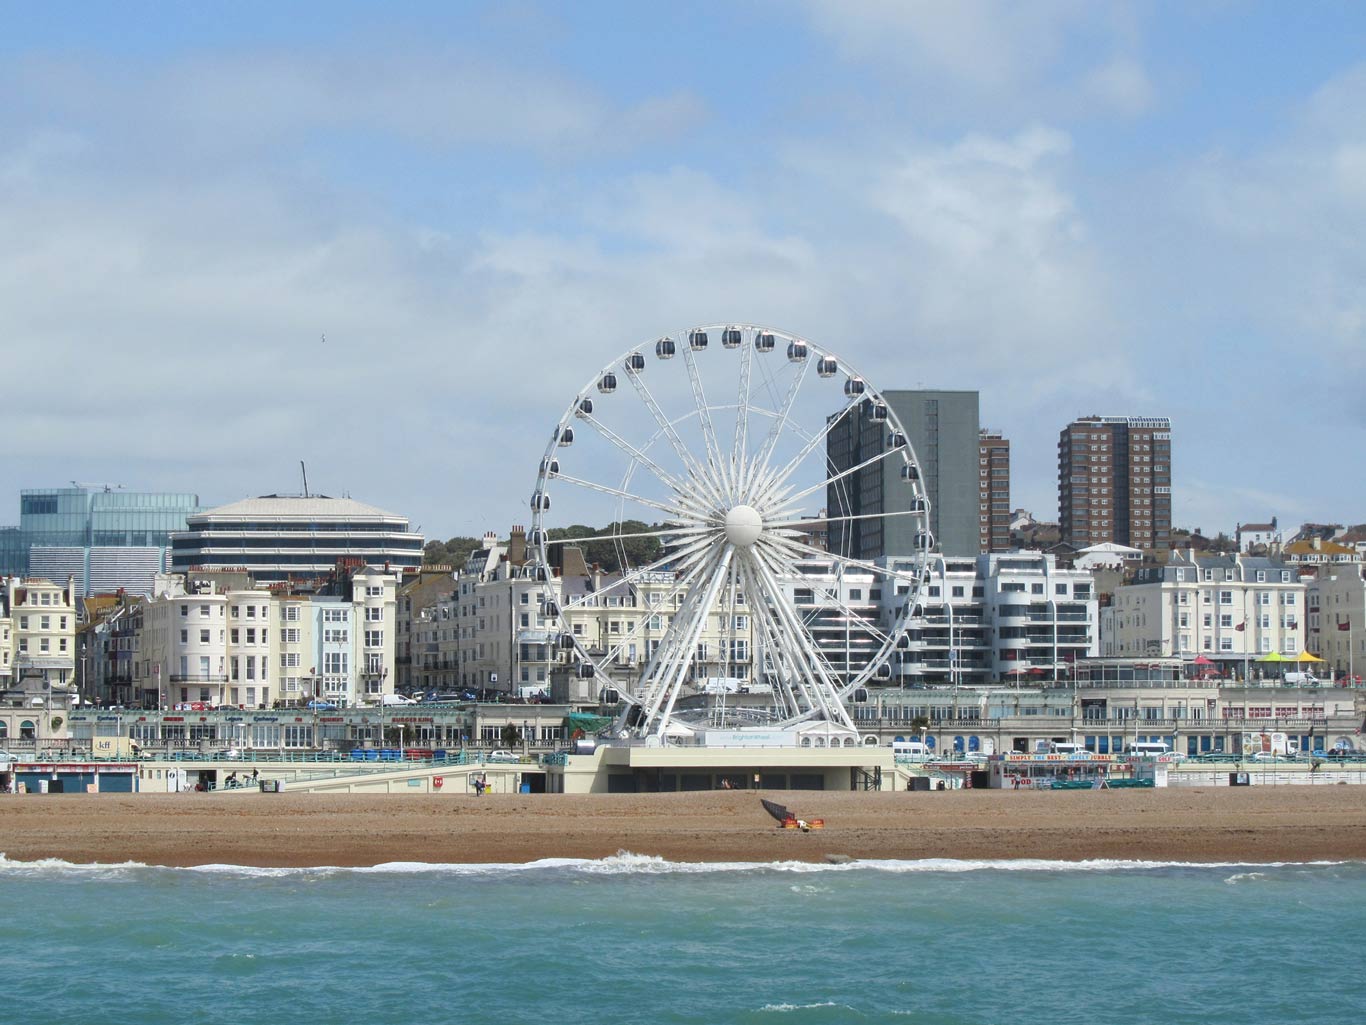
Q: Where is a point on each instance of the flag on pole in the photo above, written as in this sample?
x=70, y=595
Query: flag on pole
x=1241, y=626
x=1346, y=624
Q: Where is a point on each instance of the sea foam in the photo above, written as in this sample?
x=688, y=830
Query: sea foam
x=625, y=863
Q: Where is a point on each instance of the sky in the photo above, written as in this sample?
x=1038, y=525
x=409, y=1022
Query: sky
x=1149, y=209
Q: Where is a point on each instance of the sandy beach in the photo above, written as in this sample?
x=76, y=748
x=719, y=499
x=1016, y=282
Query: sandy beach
x=1256, y=824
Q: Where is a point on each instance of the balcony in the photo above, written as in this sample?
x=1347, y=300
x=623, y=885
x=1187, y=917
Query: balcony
x=199, y=677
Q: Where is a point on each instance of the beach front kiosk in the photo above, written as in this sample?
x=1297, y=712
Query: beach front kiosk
x=1080, y=770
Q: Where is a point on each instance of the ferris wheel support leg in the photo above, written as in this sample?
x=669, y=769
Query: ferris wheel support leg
x=694, y=632
x=827, y=692
x=785, y=673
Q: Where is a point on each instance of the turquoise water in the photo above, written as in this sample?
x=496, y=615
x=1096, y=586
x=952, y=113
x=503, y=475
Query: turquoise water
x=637, y=940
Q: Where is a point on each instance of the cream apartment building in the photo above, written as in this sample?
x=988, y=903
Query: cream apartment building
x=1233, y=610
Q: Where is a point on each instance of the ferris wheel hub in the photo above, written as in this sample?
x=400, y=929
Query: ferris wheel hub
x=743, y=526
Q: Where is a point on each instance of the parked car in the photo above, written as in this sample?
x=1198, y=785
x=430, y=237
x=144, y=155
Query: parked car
x=503, y=755
x=321, y=706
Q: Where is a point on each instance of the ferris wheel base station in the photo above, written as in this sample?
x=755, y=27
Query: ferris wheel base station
x=752, y=764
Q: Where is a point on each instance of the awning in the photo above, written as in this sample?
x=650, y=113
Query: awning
x=1200, y=660
x=1304, y=656
x=1275, y=656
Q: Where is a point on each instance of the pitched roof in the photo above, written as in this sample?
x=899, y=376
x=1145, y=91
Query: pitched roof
x=1322, y=548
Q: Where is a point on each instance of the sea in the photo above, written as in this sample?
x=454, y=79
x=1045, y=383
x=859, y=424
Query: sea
x=636, y=939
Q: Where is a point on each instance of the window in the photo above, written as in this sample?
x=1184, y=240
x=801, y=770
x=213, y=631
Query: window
x=374, y=614
x=290, y=635
x=334, y=663
x=374, y=638
x=1225, y=597
x=1036, y=588
x=236, y=611
x=289, y=660
x=203, y=637
x=289, y=613
x=251, y=611
x=233, y=635
x=374, y=590
x=184, y=637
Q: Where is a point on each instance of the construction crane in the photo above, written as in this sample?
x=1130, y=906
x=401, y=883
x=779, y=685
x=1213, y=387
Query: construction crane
x=96, y=487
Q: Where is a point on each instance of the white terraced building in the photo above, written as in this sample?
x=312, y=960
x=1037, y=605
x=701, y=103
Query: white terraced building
x=1232, y=610
x=279, y=537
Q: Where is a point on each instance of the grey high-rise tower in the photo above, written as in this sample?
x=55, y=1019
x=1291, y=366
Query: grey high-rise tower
x=943, y=428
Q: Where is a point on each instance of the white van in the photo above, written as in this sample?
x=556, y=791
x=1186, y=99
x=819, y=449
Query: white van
x=910, y=749
x=1302, y=679
x=1147, y=748
x=1068, y=749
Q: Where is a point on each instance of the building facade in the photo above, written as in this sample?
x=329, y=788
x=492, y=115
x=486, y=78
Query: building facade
x=1337, y=620
x=281, y=537
x=1114, y=481
x=943, y=430
x=1014, y=616
x=993, y=486
x=1232, y=610
x=104, y=537
x=38, y=634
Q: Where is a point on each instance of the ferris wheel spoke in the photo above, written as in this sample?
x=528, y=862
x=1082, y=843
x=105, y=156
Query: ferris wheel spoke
x=780, y=524
x=776, y=480
x=703, y=410
x=675, y=532
x=870, y=461
x=665, y=425
x=824, y=678
x=665, y=646
x=775, y=430
x=805, y=551
x=824, y=687
x=738, y=450
x=791, y=649
x=792, y=687
x=663, y=564
x=674, y=655
x=674, y=511
x=695, y=628
x=645, y=615
x=625, y=446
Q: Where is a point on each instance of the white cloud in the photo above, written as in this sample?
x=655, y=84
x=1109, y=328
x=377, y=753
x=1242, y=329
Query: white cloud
x=225, y=103
x=1289, y=220
x=1121, y=85
x=996, y=54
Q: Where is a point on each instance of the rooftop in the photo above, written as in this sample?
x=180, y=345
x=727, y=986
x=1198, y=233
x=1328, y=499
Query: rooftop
x=296, y=507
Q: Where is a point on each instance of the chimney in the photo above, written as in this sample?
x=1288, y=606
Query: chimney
x=517, y=545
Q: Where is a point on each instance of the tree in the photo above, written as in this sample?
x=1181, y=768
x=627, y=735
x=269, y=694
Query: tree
x=452, y=553
x=607, y=550
x=510, y=736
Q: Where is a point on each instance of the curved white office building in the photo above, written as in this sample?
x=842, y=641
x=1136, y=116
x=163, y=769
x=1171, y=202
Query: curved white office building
x=278, y=537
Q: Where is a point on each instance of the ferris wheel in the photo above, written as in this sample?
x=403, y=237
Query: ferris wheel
x=725, y=472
